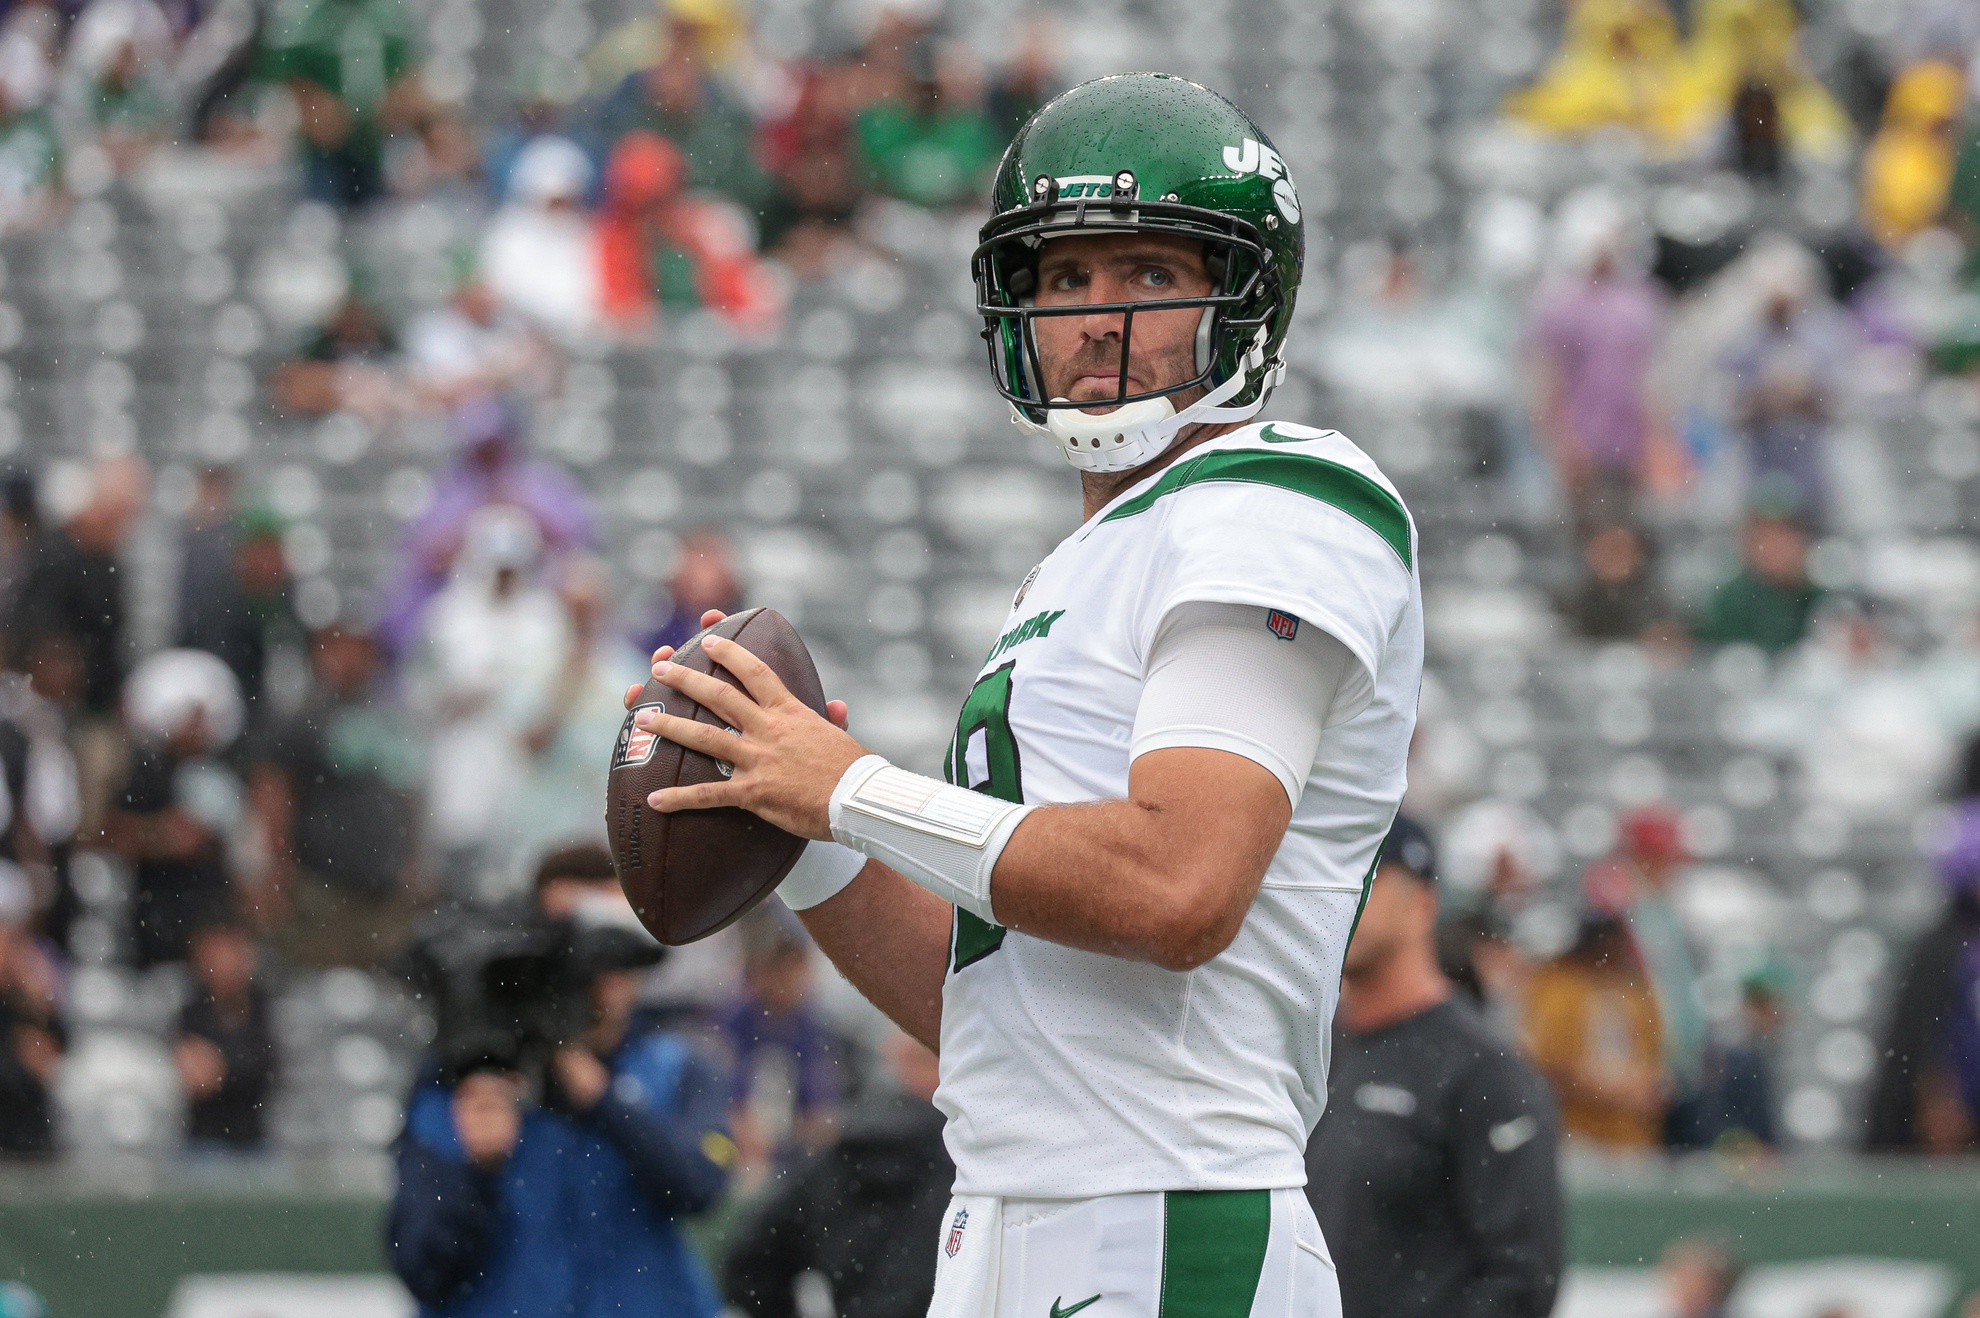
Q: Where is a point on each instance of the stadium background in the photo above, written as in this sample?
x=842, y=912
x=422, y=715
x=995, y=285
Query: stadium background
x=168, y=283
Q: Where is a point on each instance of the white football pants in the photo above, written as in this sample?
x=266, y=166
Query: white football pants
x=1196, y=1254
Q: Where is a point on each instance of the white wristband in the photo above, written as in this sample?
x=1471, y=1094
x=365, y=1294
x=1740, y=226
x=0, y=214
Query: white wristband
x=945, y=838
x=823, y=871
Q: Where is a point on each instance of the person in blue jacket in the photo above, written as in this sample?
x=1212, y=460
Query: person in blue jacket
x=573, y=1206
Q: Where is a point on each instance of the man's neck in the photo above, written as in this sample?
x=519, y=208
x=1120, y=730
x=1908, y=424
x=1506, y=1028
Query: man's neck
x=1097, y=489
x=1406, y=986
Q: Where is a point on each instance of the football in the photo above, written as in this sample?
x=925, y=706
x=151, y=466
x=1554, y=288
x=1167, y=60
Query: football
x=691, y=873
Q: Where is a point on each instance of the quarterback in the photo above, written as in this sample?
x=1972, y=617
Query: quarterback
x=1121, y=919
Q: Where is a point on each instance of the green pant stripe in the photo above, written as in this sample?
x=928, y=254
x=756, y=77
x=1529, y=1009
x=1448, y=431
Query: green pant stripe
x=1213, y=1251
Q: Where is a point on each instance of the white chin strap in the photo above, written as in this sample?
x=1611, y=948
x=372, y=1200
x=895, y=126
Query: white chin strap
x=1134, y=433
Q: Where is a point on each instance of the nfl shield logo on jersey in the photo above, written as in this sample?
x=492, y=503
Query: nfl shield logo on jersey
x=956, y=1232
x=1283, y=625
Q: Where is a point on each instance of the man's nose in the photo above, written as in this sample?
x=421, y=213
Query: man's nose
x=1104, y=324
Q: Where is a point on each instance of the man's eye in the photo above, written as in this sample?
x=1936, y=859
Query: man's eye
x=1157, y=278
x=1067, y=281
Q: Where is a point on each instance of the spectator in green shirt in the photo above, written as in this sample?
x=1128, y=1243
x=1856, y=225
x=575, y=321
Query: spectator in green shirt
x=936, y=146
x=1769, y=601
x=349, y=64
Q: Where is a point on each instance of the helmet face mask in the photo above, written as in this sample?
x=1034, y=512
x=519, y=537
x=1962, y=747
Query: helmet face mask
x=1006, y=265
x=1181, y=162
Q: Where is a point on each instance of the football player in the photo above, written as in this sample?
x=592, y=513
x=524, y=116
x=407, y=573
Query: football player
x=1121, y=919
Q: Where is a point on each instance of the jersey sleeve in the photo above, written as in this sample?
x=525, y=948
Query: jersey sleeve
x=1270, y=700
x=1306, y=559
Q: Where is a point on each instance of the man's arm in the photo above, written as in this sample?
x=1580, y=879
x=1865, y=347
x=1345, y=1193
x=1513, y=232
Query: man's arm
x=1164, y=876
x=889, y=936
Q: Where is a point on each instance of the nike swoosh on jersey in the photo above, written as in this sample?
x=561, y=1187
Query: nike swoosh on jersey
x=1510, y=1135
x=1070, y=1309
x=1271, y=436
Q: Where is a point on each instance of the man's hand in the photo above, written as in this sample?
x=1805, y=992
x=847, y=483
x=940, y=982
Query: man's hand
x=488, y=1117
x=787, y=760
x=582, y=1077
x=202, y=1066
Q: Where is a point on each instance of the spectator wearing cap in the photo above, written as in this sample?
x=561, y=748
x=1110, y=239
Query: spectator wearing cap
x=539, y=254
x=69, y=617
x=73, y=585
x=1926, y=1098
x=1433, y=1169
x=1645, y=868
x=1591, y=1026
x=181, y=801
x=491, y=467
x=225, y=1050
x=247, y=619
x=483, y=673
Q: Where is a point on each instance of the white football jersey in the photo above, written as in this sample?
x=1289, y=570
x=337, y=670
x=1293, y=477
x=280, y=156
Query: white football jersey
x=1071, y=1074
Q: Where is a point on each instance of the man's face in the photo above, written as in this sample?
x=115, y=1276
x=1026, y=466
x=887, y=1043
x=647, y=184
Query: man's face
x=1401, y=910
x=1081, y=354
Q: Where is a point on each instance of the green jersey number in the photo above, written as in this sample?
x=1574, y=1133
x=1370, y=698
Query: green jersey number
x=986, y=711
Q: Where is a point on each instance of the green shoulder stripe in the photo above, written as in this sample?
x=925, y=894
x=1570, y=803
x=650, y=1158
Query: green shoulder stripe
x=1317, y=478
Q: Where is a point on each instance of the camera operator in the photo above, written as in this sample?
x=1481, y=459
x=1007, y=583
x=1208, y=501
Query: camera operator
x=1433, y=1169
x=547, y=1167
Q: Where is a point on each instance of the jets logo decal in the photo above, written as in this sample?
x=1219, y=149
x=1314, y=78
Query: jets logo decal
x=1075, y=186
x=1253, y=157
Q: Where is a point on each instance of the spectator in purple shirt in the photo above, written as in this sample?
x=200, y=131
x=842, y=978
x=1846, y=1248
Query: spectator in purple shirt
x=491, y=466
x=785, y=1104
x=1591, y=343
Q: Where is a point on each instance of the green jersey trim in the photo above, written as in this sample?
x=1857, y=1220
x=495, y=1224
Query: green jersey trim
x=1316, y=478
x=1213, y=1251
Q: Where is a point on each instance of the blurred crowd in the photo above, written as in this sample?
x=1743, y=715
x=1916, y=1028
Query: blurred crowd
x=1664, y=367
x=672, y=165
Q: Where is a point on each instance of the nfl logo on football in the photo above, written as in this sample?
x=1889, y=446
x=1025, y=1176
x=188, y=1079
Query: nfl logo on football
x=955, y=1232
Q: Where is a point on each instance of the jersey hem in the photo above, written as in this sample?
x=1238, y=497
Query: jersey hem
x=1102, y=1190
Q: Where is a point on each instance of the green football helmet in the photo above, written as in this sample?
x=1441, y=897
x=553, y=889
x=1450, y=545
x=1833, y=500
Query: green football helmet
x=1143, y=153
